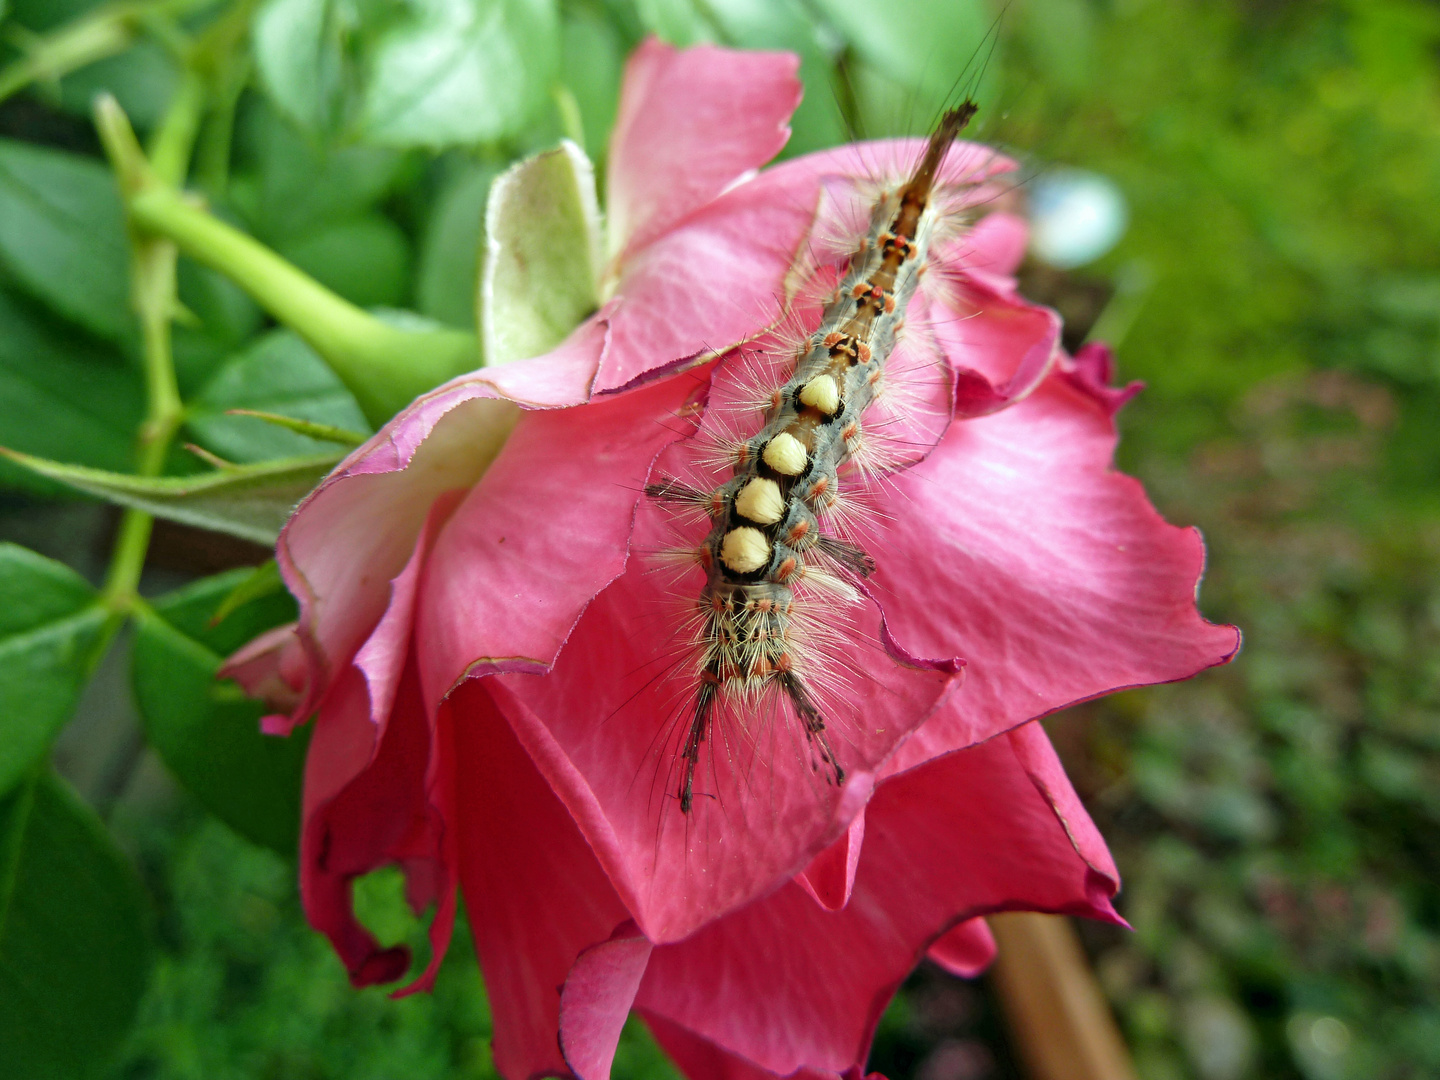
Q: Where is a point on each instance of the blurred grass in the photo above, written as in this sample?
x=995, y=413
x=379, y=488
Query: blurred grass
x=1277, y=822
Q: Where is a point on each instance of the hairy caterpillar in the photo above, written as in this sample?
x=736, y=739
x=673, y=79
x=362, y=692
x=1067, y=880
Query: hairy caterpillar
x=772, y=522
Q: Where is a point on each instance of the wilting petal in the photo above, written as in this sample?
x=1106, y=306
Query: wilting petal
x=535, y=895
x=715, y=281
x=1018, y=547
x=545, y=529
x=369, y=801
x=382, y=658
x=690, y=123
x=787, y=984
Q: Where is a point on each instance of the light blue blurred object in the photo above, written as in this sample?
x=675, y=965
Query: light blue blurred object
x=1076, y=217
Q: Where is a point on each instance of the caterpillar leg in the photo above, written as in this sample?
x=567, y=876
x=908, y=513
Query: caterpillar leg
x=690, y=752
x=809, y=713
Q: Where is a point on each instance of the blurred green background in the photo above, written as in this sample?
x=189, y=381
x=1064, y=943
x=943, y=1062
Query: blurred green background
x=1277, y=822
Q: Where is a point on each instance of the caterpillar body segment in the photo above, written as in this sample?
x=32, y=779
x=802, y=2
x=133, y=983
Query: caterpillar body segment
x=766, y=541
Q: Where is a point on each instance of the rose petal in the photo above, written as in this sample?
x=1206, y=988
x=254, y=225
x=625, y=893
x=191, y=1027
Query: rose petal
x=382, y=657
x=785, y=984
x=367, y=805
x=1020, y=549
x=609, y=744
x=995, y=246
x=1092, y=369
x=965, y=950
x=830, y=878
x=700, y=1059
x=713, y=282
x=721, y=277
x=535, y=895
x=1000, y=347
x=354, y=533
x=271, y=668
x=596, y=1000
x=544, y=530
x=690, y=122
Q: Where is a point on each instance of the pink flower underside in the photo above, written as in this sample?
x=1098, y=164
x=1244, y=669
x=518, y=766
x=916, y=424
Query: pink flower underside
x=783, y=982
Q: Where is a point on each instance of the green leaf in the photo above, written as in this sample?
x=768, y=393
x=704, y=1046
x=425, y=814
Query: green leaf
x=680, y=22
x=785, y=24
x=364, y=259
x=542, y=263
x=429, y=73
x=300, y=50
x=263, y=581
x=62, y=395
x=922, y=51
x=461, y=71
x=279, y=373
x=297, y=184
x=249, y=501
x=208, y=732
x=50, y=632
x=62, y=235
x=74, y=942
x=591, y=61
x=142, y=78
x=324, y=433
x=447, y=282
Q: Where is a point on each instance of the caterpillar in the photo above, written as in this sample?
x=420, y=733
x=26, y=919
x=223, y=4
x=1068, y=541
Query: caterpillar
x=773, y=522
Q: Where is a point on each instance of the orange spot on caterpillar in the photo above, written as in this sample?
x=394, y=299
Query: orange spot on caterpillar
x=832, y=339
x=862, y=352
x=787, y=567
x=797, y=532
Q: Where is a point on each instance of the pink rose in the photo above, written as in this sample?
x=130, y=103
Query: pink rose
x=479, y=636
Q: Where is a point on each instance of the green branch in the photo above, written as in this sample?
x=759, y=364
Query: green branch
x=153, y=295
x=382, y=365
x=103, y=31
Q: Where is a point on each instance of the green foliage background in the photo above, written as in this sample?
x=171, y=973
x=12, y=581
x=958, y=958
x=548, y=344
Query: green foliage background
x=1277, y=822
